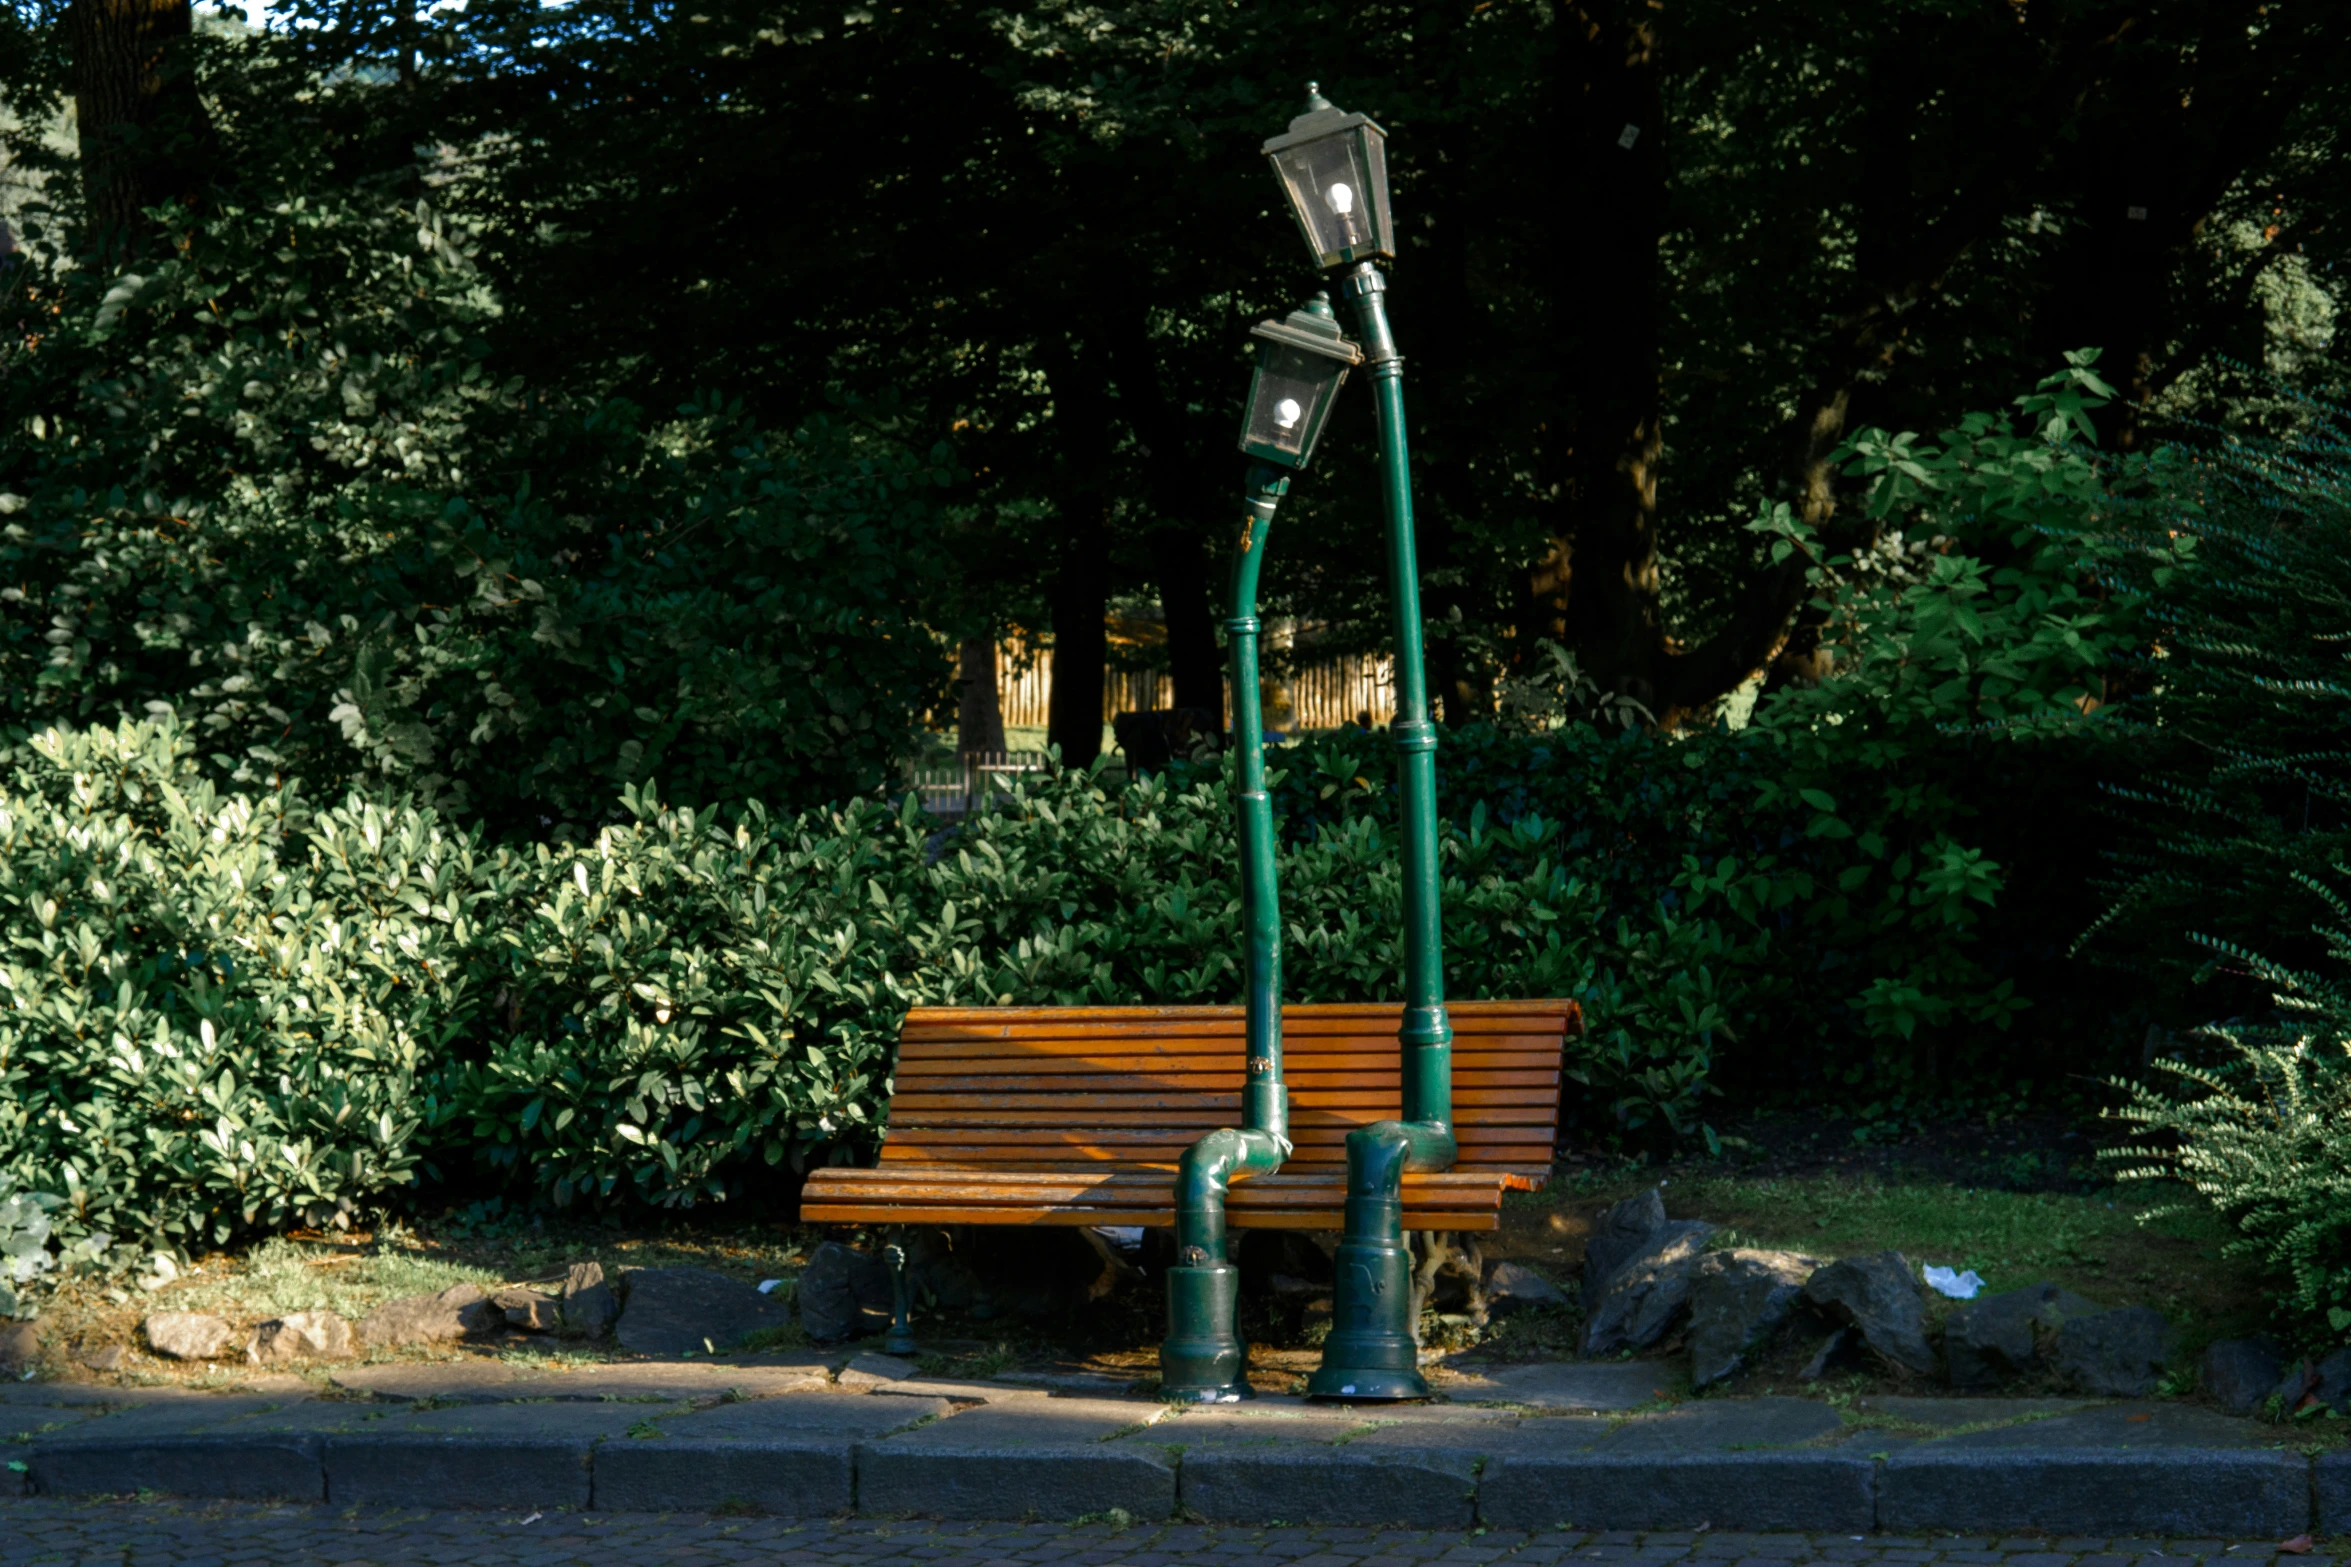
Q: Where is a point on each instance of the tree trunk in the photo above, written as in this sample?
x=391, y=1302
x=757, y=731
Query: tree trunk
x=1081, y=645
x=141, y=126
x=979, y=714
x=1596, y=589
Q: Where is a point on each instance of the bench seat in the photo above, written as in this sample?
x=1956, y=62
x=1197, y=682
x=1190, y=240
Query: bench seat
x=1077, y=1116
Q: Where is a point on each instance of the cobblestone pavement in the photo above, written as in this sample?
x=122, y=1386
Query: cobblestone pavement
x=229, y=1534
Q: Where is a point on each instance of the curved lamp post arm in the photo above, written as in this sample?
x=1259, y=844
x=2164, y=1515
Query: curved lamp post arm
x=1203, y=1360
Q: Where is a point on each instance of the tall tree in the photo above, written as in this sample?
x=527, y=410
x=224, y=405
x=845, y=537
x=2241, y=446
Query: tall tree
x=141, y=126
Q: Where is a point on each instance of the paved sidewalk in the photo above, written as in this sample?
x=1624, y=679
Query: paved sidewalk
x=794, y=1441
x=42, y=1531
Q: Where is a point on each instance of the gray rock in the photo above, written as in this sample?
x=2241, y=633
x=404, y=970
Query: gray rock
x=587, y=1305
x=529, y=1310
x=459, y=1311
x=186, y=1335
x=1738, y=1299
x=2327, y=1382
x=1878, y=1298
x=843, y=1293
x=1623, y=1231
x=300, y=1335
x=1513, y=1286
x=1988, y=1341
x=2114, y=1354
x=1834, y=1350
x=106, y=1357
x=20, y=1343
x=1647, y=1293
x=681, y=1311
x=2240, y=1372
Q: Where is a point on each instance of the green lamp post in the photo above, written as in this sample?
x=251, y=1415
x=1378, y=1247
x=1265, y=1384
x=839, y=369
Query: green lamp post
x=1333, y=167
x=1301, y=363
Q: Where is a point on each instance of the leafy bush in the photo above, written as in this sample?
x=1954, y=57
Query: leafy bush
x=694, y=999
x=2238, y=783
x=237, y=1012
x=2240, y=552
x=218, y=1005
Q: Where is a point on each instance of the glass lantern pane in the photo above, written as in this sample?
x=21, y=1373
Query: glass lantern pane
x=1286, y=402
x=1333, y=191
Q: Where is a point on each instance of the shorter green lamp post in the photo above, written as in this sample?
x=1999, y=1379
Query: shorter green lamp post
x=1301, y=363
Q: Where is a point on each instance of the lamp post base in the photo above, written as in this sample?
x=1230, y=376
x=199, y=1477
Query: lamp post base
x=1202, y=1360
x=1379, y=1385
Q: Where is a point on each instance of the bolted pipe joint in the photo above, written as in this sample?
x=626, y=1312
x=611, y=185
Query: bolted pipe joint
x=1202, y=1360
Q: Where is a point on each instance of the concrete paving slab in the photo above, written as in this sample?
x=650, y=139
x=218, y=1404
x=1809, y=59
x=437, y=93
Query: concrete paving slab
x=25, y=1421
x=1724, y=1425
x=2114, y=1469
x=1081, y=1383
x=790, y=1456
x=666, y=1383
x=1598, y=1385
x=477, y=1455
x=174, y=1448
x=849, y=1416
x=1948, y=1412
x=446, y=1382
x=66, y=1394
x=1731, y=1470
x=1052, y=1458
x=960, y=1392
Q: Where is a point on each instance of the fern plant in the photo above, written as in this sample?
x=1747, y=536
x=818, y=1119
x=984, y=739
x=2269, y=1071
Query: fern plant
x=2264, y=1133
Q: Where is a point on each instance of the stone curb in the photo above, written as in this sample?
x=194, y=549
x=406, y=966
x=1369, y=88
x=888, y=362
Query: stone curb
x=1059, y=1459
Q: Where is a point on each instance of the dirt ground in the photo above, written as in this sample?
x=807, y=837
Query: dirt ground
x=2018, y=1202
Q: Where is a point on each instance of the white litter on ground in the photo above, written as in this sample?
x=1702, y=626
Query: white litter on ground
x=1959, y=1286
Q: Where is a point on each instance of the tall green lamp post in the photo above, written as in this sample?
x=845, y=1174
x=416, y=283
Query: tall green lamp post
x=1301, y=363
x=1333, y=167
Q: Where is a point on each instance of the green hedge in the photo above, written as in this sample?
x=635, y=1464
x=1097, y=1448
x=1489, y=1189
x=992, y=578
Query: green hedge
x=229, y=1013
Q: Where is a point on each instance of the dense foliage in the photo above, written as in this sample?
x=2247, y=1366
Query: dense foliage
x=2240, y=550
x=268, y=482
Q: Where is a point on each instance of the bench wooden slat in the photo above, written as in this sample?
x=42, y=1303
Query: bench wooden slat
x=1304, y=1137
x=1373, y=1104
x=1111, y=1049
x=1225, y=1080
x=1044, y=1115
x=1367, y=1063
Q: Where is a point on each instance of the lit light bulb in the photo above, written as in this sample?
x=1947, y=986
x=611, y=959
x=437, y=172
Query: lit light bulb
x=1341, y=198
x=1286, y=413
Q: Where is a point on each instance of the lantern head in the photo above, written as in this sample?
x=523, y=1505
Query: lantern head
x=1334, y=169
x=1301, y=364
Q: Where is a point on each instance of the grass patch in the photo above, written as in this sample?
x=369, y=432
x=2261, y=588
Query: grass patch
x=280, y=1276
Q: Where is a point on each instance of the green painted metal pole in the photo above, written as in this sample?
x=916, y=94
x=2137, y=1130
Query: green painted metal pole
x=1202, y=1359
x=1426, y=1036
x=1373, y=1350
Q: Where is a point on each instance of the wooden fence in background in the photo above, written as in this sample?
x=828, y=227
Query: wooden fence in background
x=1318, y=694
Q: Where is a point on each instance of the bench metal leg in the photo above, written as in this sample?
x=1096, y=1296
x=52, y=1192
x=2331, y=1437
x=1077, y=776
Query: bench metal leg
x=901, y=1336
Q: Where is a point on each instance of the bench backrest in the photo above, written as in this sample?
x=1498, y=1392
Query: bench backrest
x=1137, y=1085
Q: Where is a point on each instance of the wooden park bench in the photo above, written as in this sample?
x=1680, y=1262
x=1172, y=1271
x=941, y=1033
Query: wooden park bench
x=1077, y=1115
